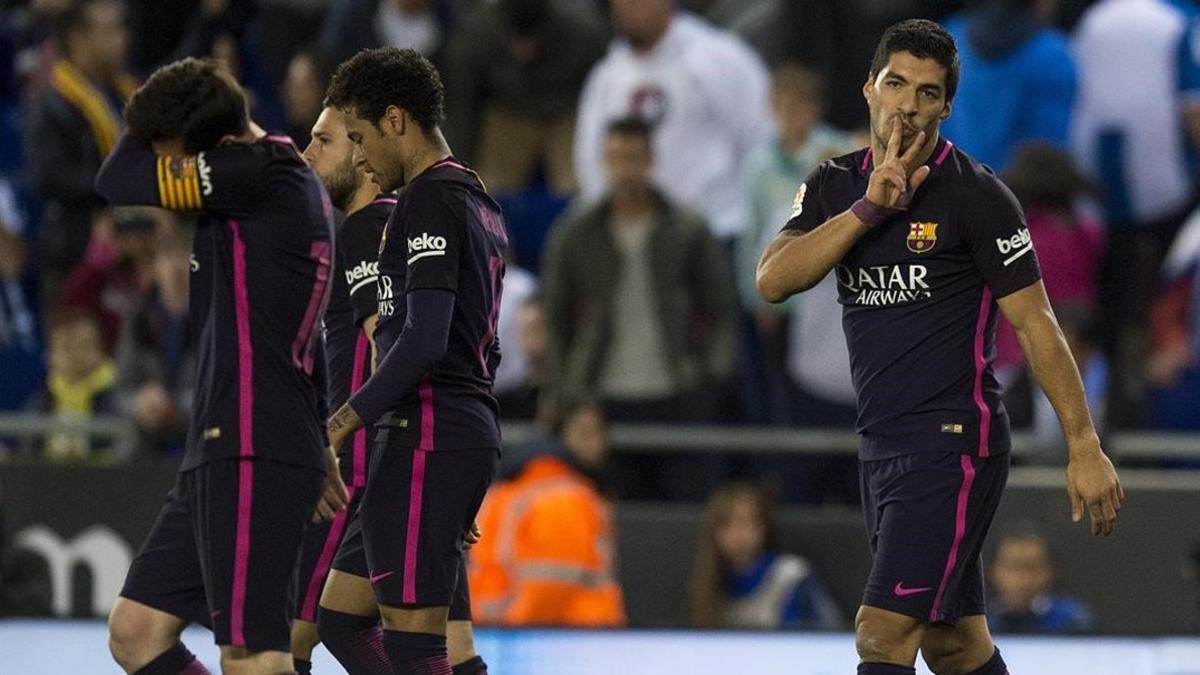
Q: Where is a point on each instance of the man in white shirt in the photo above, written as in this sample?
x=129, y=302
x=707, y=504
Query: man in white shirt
x=704, y=92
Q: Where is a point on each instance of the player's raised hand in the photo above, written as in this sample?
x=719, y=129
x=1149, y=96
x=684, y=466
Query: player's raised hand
x=892, y=184
x=333, y=496
x=1093, y=486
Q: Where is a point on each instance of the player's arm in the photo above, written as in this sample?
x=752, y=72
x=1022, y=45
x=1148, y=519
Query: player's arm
x=422, y=342
x=368, y=327
x=134, y=175
x=802, y=255
x=1091, y=480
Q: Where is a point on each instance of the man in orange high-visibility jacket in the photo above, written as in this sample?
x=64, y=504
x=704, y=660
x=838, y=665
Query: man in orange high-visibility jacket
x=546, y=557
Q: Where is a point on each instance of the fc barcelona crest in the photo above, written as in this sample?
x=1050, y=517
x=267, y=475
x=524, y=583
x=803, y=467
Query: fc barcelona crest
x=922, y=237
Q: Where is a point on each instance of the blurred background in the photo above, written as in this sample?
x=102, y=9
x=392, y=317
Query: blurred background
x=707, y=436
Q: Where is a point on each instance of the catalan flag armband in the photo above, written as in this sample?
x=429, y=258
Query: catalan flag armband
x=178, y=183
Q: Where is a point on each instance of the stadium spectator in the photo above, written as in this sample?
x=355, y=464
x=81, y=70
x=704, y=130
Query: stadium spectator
x=742, y=579
x=1018, y=81
x=810, y=344
x=155, y=359
x=1172, y=368
x=1138, y=102
x=80, y=382
x=521, y=330
x=70, y=128
x=424, y=25
x=20, y=358
x=547, y=556
x=302, y=93
x=703, y=92
x=1024, y=600
x=639, y=306
x=1058, y=201
x=515, y=73
x=117, y=268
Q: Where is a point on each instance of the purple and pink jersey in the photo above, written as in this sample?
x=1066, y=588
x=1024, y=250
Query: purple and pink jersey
x=445, y=234
x=918, y=296
x=261, y=266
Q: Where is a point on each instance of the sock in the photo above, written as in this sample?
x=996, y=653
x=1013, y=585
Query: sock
x=302, y=667
x=417, y=653
x=355, y=641
x=474, y=666
x=994, y=666
x=885, y=669
x=175, y=661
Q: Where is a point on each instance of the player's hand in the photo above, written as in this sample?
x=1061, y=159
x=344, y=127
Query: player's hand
x=333, y=496
x=891, y=185
x=472, y=537
x=1093, y=486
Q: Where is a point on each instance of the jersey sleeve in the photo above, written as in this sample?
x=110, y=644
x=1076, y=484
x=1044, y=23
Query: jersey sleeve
x=807, y=213
x=358, y=249
x=998, y=238
x=433, y=242
x=227, y=179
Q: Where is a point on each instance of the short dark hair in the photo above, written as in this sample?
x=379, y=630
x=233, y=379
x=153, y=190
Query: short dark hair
x=923, y=39
x=377, y=78
x=192, y=99
x=631, y=126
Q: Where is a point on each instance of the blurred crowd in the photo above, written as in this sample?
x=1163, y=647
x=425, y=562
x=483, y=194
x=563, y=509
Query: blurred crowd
x=645, y=152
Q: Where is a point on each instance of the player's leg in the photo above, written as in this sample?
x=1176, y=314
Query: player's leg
x=920, y=511
x=348, y=619
x=252, y=523
x=321, y=543
x=413, y=526
x=961, y=644
x=460, y=635
x=163, y=592
x=965, y=648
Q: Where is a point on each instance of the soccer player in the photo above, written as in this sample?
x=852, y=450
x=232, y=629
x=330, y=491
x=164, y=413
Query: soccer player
x=925, y=243
x=224, y=548
x=441, y=265
x=349, y=320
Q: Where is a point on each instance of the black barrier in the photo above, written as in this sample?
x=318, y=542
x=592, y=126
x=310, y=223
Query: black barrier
x=81, y=526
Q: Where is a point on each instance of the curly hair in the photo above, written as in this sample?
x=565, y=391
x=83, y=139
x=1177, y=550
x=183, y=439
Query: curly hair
x=923, y=39
x=192, y=99
x=377, y=78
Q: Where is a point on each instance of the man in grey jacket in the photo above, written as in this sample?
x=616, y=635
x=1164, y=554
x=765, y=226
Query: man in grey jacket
x=639, y=304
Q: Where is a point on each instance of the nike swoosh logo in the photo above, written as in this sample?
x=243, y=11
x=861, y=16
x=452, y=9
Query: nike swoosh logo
x=901, y=591
x=380, y=577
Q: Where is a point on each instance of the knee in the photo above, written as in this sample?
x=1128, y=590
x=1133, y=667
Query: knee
x=953, y=654
x=135, y=637
x=886, y=637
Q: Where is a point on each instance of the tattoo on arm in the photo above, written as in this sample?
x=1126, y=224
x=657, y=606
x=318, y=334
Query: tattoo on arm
x=345, y=419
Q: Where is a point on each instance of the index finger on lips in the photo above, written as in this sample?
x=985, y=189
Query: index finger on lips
x=893, y=145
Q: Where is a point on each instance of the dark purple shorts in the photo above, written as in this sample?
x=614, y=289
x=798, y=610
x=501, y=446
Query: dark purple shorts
x=408, y=534
x=223, y=550
x=927, y=515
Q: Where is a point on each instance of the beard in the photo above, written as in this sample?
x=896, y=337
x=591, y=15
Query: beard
x=342, y=184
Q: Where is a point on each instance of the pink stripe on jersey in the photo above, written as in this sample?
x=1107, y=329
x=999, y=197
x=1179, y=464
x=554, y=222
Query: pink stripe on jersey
x=358, y=376
x=308, y=611
x=867, y=160
x=279, y=138
x=960, y=529
x=241, y=555
x=384, y=200
x=302, y=352
x=985, y=413
x=945, y=153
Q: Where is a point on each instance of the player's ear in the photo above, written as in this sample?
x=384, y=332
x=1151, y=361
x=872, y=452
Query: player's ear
x=393, y=117
x=868, y=88
x=946, y=109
